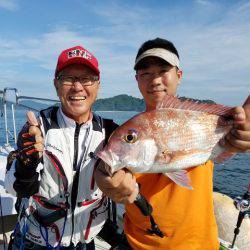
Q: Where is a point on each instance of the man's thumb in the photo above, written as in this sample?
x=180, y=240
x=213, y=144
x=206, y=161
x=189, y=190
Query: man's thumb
x=31, y=118
x=246, y=107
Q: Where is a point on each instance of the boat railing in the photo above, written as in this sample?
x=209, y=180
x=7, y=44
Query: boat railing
x=10, y=123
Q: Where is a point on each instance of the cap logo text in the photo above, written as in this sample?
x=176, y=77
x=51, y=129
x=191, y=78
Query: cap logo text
x=79, y=53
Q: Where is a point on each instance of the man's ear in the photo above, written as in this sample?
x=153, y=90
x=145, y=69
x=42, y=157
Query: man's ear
x=179, y=75
x=136, y=77
x=56, y=85
x=99, y=84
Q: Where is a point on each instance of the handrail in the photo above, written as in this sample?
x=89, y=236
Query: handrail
x=36, y=98
x=3, y=107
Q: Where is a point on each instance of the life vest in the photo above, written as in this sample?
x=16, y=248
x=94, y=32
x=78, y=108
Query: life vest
x=69, y=207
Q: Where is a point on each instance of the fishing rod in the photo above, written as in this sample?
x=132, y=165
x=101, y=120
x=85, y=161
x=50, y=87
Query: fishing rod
x=243, y=205
x=141, y=202
x=147, y=210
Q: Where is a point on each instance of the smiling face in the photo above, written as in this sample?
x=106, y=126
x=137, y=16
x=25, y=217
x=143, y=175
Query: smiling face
x=77, y=100
x=156, y=80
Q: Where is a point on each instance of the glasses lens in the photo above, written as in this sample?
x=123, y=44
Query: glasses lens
x=88, y=80
x=66, y=79
x=84, y=80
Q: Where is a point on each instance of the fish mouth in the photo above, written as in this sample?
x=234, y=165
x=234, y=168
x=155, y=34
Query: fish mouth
x=110, y=159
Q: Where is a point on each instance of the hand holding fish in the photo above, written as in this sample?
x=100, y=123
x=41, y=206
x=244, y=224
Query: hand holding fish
x=121, y=187
x=238, y=139
x=30, y=142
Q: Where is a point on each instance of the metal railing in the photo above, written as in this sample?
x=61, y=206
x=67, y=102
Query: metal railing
x=10, y=130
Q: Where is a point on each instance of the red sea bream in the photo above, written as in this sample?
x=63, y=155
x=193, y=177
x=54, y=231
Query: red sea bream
x=178, y=135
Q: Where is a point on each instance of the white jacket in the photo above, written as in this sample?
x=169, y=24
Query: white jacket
x=91, y=209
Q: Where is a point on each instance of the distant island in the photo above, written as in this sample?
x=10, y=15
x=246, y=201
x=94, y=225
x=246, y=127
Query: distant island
x=128, y=103
x=119, y=103
x=115, y=103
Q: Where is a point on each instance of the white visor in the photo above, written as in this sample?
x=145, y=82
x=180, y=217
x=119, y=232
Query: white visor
x=164, y=54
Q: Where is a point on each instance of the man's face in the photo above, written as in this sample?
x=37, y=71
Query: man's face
x=76, y=99
x=157, y=80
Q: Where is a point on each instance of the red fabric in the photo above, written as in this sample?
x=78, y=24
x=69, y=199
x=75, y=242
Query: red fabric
x=74, y=55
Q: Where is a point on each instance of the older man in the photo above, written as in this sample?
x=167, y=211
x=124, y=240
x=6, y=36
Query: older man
x=185, y=216
x=55, y=164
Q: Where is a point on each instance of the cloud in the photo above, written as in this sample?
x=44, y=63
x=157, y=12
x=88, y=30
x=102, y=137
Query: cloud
x=244, y=8
x=214, y=48
x=10, y=5
x=42, y=51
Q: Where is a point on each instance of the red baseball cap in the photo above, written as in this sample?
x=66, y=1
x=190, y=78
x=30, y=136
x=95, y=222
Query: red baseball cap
x=77, y=55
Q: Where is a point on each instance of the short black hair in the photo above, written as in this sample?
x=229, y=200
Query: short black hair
x=156, y=43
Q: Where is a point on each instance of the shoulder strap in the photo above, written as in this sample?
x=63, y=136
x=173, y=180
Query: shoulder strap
x=110, y=127
x=49, y=117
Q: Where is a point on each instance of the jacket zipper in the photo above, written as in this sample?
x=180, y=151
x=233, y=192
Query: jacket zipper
x=76, y=177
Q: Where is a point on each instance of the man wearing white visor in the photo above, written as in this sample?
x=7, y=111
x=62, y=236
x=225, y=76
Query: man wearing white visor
x=164, y=54
x=185, y=217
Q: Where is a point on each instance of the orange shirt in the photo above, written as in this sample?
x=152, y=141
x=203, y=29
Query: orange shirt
x=185, y=216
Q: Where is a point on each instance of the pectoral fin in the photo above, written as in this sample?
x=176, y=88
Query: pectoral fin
x=181, y=178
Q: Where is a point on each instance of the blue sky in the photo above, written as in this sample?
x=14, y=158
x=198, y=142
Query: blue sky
x=212, y=37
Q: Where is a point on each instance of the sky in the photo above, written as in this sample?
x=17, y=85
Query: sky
x=212, y=37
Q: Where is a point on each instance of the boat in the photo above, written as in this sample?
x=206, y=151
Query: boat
x=225, y=210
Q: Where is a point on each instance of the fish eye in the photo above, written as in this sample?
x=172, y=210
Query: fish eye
x=131, y=136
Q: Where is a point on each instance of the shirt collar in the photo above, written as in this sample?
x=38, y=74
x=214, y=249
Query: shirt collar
x=72, y=123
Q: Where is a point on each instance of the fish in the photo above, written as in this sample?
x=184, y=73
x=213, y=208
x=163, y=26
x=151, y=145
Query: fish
x=177, y=135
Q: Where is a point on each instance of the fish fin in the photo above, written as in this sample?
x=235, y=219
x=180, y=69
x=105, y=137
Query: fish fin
x=189, y=104
x=181, y=178
x=223, y=156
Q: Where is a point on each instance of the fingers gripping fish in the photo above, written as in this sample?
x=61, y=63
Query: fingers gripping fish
x=178, y=135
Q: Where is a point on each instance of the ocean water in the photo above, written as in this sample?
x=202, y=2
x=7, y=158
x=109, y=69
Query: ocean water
x=230, y=178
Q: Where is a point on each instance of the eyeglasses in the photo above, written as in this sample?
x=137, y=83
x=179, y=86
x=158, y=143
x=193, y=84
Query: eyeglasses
x=71, y=80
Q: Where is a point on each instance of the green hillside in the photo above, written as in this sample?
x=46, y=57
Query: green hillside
x=119, y=102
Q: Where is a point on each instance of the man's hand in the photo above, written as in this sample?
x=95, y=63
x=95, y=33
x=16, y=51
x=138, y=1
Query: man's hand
x=121, y=187
x=238, y=139
x=30, y=142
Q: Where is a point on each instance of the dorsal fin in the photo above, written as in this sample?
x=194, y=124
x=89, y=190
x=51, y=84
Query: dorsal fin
x=188, y=104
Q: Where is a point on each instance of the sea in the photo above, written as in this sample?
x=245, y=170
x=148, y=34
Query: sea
x=231, y=177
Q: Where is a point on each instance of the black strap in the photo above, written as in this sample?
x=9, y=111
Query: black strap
x=110, y=127
x=49, y=117
x=51, y=218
